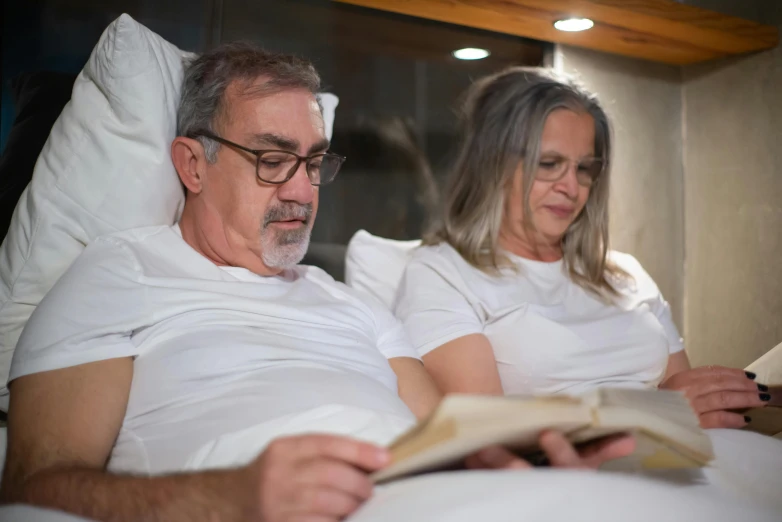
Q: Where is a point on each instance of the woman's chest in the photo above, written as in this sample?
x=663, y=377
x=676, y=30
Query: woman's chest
x=559, y=338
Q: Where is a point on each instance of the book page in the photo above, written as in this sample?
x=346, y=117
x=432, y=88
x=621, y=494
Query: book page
x=768, y=368
x=690, y=442
x=467, y=424
x=464, y=424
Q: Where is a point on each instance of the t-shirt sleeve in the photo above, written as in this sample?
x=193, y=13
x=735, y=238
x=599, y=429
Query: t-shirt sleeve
x=432, y=308
x=662, y=310
x=652, y=296
x=391, y=338
x=87, y=316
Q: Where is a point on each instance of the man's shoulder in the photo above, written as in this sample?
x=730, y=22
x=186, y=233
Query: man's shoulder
x=125, y=250
x=140, y=240
x=138, y=236
x=320, y=277
x=338, y=289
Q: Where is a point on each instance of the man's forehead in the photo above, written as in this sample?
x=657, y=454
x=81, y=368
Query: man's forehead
x=285, y=142
x=290, y=117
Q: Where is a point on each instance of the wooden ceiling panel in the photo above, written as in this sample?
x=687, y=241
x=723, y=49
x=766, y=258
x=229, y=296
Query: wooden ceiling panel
x=659, y=30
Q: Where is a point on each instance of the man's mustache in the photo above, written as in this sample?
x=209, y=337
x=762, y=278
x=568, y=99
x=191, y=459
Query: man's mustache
x=288, y=212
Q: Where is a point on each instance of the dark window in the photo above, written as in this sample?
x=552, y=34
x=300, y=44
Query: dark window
x=397, y=81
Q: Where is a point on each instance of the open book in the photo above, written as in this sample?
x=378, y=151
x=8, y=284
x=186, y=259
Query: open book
x=664, y=423
x=768, y=369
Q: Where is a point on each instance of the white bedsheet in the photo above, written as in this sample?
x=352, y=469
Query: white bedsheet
x=747, y=472
x=551, y=495
x=742, y=484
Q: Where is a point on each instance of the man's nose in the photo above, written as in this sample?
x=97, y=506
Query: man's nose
x=297, y=189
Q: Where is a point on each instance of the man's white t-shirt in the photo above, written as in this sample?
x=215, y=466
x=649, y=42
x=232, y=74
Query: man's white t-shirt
x=218, y=350
x=548, y=334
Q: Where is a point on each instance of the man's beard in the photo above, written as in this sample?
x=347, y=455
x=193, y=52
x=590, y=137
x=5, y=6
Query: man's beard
x=285, y=248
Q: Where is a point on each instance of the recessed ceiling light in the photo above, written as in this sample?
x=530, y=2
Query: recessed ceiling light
x=573, y=25
x=471, y=53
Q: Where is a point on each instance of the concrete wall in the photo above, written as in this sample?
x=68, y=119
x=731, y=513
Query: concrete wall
x=643, y=100
x=733, y=208
x=698, y=185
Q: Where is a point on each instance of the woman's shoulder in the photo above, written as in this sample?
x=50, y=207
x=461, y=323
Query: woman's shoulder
x=441, y=251
x=441, y=262
x=625, y=261
x=440, y=257
x=639, y=280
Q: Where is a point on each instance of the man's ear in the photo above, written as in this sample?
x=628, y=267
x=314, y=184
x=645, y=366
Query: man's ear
x=189, y=161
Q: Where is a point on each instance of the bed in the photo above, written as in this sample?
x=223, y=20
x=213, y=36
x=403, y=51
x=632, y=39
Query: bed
x=373, y=266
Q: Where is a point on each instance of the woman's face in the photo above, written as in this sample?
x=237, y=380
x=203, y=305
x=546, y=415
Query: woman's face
x=567, y=145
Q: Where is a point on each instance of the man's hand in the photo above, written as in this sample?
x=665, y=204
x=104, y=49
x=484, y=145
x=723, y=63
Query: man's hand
x=559, y=451
x=714, y=391
x=314, y=477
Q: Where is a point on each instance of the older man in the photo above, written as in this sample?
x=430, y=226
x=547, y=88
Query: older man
x=160, y=346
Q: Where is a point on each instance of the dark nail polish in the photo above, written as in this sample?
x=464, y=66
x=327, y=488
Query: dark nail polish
x=750, y=375
x=765, y=397
x=762, y=387
x=747, y=419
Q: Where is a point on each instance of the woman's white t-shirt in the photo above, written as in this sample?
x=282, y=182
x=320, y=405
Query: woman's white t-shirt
x=549, y=335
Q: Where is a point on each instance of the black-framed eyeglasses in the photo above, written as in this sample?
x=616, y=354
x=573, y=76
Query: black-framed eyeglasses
x=278, y=166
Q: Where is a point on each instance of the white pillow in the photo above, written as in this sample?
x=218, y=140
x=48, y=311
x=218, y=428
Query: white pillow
x=375, y=265
x=328, y=103
x=105, y=167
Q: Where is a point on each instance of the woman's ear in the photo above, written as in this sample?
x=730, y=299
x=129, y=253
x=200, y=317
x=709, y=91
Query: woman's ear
x=187, y=154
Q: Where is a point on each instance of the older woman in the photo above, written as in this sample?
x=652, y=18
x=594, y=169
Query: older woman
x=517, y=292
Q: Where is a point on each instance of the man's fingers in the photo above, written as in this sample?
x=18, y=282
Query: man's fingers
x=610, y=448
x=360, y=454
x=726, y=400
x=559, y=450
x=495, y=457
x=722, y=419
x=313, y=518
x=335, y=474
x=326, y=501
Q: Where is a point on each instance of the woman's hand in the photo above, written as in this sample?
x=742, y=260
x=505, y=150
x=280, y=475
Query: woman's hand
x=559, y=452
x=715, y=392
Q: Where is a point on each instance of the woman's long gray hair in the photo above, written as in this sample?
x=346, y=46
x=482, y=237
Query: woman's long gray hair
x=502, y=124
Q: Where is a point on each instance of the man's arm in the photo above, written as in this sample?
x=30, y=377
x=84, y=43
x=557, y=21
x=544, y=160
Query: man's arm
x=62, y=426
x=416, y=388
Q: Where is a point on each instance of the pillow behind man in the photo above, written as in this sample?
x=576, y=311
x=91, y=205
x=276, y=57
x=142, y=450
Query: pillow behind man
x=106, y=167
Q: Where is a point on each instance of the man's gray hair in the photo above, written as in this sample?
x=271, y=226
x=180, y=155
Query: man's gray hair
x=208, y=76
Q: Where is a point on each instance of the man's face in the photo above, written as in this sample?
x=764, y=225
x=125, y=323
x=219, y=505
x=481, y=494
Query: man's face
x=252, y=224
